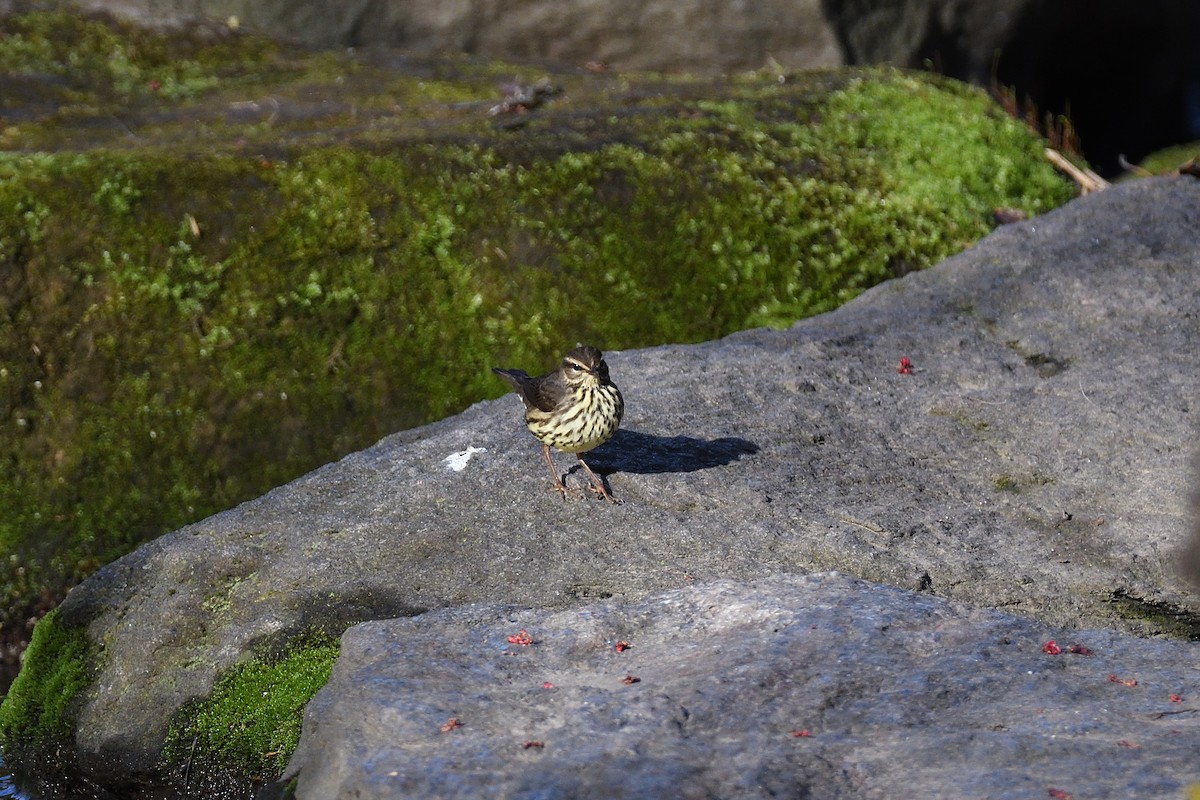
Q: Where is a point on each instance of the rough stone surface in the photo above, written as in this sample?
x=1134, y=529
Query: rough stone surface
x=814, y=686
x=708, y=36
x=1036, y=460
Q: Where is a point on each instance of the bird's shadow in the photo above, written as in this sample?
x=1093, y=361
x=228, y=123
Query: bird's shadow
x=647, y=453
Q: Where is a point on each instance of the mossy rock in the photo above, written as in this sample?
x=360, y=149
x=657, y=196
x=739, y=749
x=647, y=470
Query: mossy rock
x=227, y=262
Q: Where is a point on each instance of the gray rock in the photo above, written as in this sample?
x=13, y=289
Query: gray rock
x=814, y=686
x=961, y=36
x=1036, y=460
x=706, y=36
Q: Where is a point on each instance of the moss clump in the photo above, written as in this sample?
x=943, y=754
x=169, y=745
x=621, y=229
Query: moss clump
x=1165, y=161
x=79, y=62
x=37, y=709
x=1006, y=483
x=1017, y=484
x=903, y=188
x=250, y=725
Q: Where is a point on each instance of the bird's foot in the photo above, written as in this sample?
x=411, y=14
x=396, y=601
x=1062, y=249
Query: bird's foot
x=601, y=491
x=597, y=482
x=564, y=490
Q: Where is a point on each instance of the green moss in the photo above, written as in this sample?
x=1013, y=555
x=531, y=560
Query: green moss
x=1161, y=619
x=250, y=725
x=97, y=58
x=907, y=184
x=220, y=600
x=1021, y=482
x=1006, y=483
x=1167, y=160
x=36, y=710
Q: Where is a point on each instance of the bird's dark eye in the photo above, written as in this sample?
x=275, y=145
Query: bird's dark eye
x=576, y=367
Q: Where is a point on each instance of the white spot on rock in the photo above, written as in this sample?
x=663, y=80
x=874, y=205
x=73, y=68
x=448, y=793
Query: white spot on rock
x=458, y=461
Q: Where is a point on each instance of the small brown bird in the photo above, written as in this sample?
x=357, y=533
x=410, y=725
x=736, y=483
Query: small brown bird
x=574, y=408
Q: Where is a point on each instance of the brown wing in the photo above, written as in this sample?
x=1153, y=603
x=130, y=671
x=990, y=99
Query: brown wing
x=547, y=391
x=542, y=392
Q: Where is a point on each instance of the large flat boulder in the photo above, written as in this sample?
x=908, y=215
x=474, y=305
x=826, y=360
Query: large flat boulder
x=1034, y=459
x=792, y=686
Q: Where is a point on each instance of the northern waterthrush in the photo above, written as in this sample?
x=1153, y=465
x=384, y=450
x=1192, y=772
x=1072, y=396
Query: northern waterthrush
x=573, y=408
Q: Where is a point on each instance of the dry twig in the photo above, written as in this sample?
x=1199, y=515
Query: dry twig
x=1088, y=181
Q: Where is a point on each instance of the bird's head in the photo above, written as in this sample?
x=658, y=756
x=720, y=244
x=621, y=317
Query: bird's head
x=584, y=366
